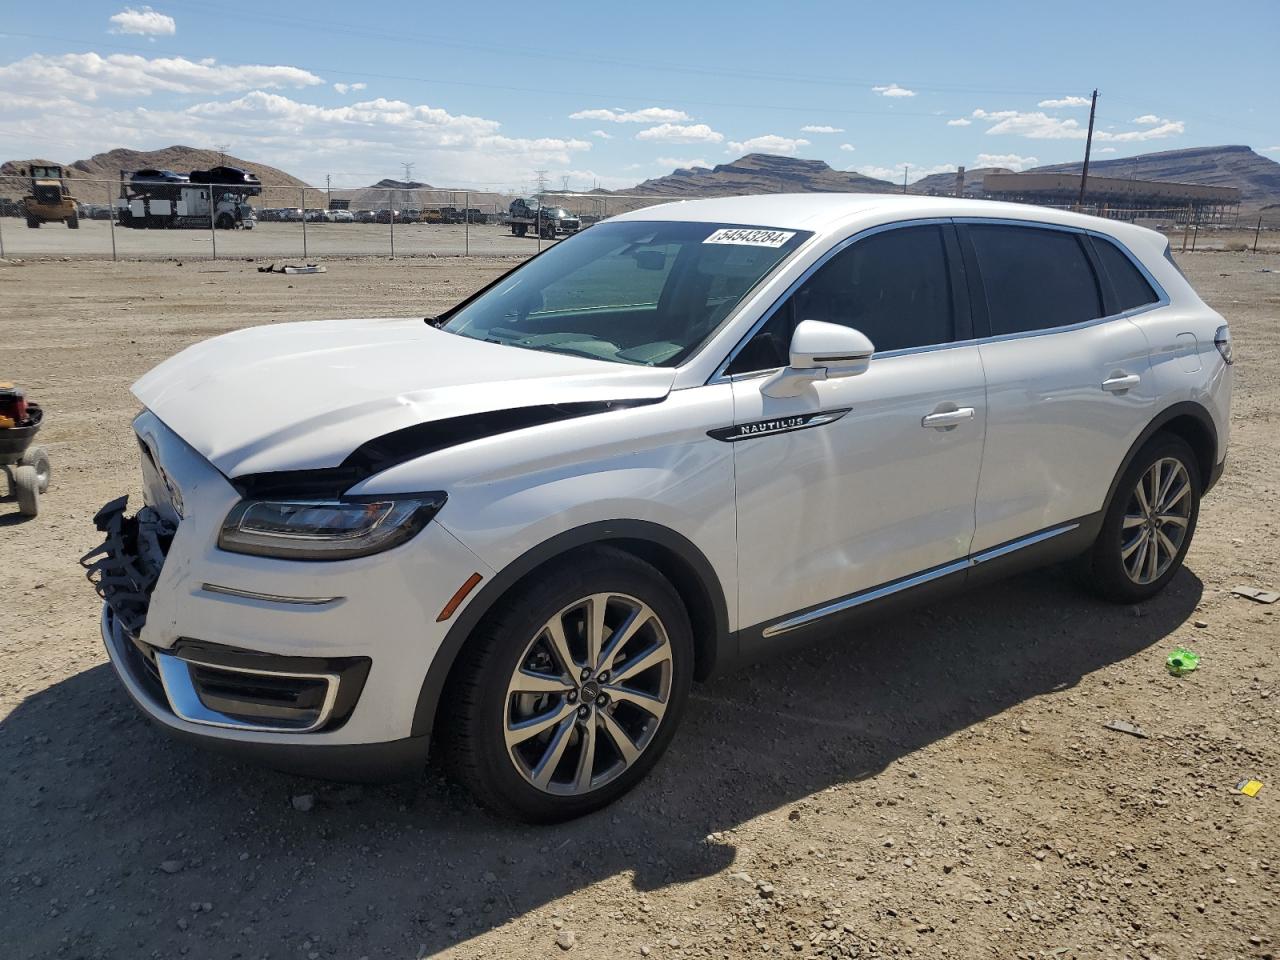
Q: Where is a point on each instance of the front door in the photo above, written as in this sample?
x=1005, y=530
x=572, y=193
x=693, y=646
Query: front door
x=867, y=479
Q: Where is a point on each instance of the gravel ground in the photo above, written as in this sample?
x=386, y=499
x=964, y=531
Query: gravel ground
x=941, y=785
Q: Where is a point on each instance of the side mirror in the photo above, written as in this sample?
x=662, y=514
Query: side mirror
x=820, y=351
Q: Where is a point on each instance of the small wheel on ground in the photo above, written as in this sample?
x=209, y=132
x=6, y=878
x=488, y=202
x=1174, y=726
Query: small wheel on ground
x=26, y=486
x=33, y=223
x=567, y=695
x=225, y=221
x=1149, y=524
x=38, y=458
x=73, y=222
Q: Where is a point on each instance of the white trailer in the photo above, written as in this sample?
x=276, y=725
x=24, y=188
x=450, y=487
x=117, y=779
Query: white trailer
x=177, y=207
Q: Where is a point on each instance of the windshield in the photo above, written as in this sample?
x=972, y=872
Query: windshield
x=631, y=291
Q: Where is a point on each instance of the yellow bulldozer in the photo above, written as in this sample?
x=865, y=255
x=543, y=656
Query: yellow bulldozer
x=49, y=200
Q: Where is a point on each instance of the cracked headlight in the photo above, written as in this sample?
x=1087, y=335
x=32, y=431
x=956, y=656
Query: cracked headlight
x=326, y=529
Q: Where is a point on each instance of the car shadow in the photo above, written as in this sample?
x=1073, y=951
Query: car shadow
x=115, y=838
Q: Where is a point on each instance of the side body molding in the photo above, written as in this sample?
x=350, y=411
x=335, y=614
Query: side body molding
x=712, y=639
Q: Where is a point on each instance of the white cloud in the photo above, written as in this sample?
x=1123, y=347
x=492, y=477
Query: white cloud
x=959, y=122
x=602, y=135
x=768, y=143
x=146, y=22
x=1037, y=125
x=618, y=115
x=349, y=87
x=848, y=147
x=1106, y=149
x=1010, y=160
x=819, y=128
x=678, y=162
x=86, y=76
x=893, y=90
x=1148, y=119
x=1065, y=102
x=681, y=133
x=1275, y=149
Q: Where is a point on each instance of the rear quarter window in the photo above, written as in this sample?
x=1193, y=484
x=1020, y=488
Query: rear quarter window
x=1129, y=286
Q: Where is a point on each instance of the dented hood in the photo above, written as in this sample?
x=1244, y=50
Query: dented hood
x=299, y=396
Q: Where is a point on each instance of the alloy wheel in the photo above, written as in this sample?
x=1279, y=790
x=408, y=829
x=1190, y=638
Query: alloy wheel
x=1156, y=520
x=588, y=694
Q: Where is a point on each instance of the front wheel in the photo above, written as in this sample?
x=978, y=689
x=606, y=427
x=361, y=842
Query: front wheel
x=73, y=222
x=566, y=697
x=26, y=487
x=1149, y=525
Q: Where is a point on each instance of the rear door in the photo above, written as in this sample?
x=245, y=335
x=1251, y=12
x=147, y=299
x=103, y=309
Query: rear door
x=1069, y=384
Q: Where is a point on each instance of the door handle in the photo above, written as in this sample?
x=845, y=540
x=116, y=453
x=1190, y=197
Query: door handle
x=947, y=419
x=1121, y=383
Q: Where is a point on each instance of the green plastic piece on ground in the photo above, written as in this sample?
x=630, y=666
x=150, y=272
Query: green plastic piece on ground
x=1181, y=661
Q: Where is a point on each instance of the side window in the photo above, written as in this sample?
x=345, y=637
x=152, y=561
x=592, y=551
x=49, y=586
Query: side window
x=1128, y=283
x=894, y=286
x=1035, y=278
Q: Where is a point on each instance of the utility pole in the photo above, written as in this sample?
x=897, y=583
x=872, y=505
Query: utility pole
x=408, y=171
x=222, y=149
x=328, y=189
x=565, y=182
x=905, y=168
x=542, y=182
x=1088, y=147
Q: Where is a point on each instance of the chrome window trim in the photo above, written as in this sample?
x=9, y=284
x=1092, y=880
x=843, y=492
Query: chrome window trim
x=875, y=593
x=720, y=376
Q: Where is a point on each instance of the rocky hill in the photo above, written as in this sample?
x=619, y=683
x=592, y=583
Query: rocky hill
x=944, y=184
x=760, y=173
x=1227, y=166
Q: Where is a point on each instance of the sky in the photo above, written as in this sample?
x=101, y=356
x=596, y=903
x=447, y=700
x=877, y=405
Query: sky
x=484, y=94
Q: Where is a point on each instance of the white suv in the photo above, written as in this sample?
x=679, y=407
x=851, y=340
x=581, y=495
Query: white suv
x=682, y=439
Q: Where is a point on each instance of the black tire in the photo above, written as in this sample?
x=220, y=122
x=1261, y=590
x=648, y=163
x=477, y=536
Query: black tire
x=33, y=223
x=73, y=222
x=518, y=229
x=38, y=457
x=26, y=487
x=474, y=706
x=1104, y=565
x=225, y=221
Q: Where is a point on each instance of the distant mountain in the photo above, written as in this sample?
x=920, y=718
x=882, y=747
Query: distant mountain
x=944, y=184
x=1228, y=166
x=107, y=166
x=759, y=173
x=1257, y=177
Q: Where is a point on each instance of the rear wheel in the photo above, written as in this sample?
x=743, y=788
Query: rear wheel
x=1149, y=525
x=33, y=223
x=567, y=696
x=73, y=222
x=26, y=487
x=225, y=221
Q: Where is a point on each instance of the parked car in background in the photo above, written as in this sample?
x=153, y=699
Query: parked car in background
x=366, y=216
x=387, y=216
x=686, y=438
x=475, y=215
x=292, y=214
x=342, y=216
x=317, y=216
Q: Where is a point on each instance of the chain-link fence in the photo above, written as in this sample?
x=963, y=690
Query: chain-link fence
x=123, y=220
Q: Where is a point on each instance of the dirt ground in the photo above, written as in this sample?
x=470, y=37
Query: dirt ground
x=939, y=786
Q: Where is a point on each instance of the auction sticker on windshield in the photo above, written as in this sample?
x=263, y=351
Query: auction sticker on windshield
x=751, y=236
